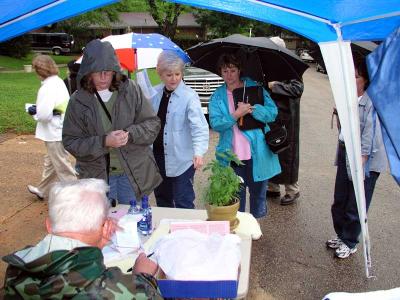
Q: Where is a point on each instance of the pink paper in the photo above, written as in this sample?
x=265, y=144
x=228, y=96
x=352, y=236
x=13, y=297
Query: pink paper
x=206, y=227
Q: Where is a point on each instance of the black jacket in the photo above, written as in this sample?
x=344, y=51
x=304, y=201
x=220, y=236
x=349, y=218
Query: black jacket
x=287, y=95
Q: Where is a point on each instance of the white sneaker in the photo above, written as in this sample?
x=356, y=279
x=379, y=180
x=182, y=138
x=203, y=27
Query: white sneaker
x=35, y=191
x=344, y=251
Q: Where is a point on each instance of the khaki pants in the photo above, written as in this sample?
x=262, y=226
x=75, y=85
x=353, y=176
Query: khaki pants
x=290, y=189
x=56, y=167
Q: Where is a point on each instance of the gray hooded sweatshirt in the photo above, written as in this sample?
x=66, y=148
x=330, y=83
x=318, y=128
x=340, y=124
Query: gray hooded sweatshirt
x=83, y=132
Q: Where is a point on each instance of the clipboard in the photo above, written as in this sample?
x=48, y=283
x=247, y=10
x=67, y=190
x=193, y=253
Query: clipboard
x=253, y=95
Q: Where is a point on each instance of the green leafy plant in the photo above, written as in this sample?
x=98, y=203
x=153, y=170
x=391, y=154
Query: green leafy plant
x=223, y=183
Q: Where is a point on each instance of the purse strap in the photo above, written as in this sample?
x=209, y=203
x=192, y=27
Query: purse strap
x=103, y=106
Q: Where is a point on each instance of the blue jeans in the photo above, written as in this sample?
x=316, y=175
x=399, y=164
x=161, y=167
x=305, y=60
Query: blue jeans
x=346, y=221
x=257, y=189
x=120, y=189
x=174, y=191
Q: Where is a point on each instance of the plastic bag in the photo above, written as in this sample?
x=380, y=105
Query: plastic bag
x=190, y=255
x=143, y=81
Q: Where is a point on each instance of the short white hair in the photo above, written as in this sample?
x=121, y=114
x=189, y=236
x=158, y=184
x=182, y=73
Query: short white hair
x=278, y=41
x=168, y=60
x=72, y=210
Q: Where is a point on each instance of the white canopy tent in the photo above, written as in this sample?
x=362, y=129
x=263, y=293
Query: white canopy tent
x=332, y=24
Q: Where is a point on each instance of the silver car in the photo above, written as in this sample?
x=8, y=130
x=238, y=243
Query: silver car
x=203, y=82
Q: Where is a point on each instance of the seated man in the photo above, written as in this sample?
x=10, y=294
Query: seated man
x=68, y=261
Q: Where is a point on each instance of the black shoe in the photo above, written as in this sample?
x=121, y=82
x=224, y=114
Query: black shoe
x=273, y=194
x=287, y=199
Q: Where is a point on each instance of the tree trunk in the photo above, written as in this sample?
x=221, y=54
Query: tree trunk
x=166, y=16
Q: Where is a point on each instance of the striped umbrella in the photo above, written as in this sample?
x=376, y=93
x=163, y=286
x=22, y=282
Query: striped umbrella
x=139, y=51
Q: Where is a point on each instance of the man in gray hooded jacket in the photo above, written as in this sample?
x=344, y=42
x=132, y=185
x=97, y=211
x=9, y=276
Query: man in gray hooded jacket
x=109, y=127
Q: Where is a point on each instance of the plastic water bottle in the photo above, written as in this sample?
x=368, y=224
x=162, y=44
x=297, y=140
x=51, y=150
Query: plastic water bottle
x=145, y=224
x=133, y=209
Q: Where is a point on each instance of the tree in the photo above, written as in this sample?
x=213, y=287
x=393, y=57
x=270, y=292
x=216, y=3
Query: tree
x=102, y=16
x=219, y=25
x=166, y=16
x=17, y=47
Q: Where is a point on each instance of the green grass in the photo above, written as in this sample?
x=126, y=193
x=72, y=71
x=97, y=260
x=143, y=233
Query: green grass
x=18, y=64
x=16, y=89
x=154, y=79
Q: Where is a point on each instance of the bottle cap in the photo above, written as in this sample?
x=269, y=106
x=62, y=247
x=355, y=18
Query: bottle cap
x=132, y=202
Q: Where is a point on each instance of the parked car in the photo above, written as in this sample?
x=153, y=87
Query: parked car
x=57, y=43
x=203, y=82
x=305, y=56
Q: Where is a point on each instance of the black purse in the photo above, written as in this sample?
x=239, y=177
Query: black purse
x=276, y=138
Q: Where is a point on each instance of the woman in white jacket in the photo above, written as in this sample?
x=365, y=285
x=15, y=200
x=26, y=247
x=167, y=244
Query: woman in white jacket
x=52, y=100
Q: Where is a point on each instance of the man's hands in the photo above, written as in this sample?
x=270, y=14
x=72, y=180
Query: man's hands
x=145, y=265
x=271, y=84
x=117, y=138
x=109, y=228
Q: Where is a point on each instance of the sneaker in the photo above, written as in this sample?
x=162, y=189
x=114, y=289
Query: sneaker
x=334, y=243
x=344, y=251
x=34, y=190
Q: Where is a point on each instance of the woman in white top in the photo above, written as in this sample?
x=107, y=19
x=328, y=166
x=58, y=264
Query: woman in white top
x=52, y=100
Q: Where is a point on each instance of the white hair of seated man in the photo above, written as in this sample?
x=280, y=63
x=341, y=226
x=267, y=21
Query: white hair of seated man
x=168, y=60
x=71, y=210
x=278, y=41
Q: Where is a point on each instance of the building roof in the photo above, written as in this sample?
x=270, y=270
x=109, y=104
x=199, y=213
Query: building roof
x=145, y=20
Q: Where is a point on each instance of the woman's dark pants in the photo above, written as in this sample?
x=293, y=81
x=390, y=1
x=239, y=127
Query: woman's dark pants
x=344, y=209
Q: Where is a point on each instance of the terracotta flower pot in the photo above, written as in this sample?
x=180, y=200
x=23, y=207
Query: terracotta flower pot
x=224, y=213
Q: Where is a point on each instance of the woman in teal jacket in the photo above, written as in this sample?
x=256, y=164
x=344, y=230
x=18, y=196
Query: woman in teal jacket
x=259, y=163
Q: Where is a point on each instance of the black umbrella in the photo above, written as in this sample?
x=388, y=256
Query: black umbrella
x=262, y=60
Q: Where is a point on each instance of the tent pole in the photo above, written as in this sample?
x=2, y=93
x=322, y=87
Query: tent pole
x=357, y=170
x=340, y=67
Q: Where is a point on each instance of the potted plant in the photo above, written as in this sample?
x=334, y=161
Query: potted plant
x=222, y=192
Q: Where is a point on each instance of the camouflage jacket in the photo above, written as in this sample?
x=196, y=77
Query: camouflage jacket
x=76, y=274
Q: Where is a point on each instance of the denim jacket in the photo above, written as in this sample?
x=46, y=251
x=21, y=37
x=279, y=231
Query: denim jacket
x=371, y=136
x=265, y=163
x=186, y=130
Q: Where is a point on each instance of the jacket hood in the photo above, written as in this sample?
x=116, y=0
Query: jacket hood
x=98, y=56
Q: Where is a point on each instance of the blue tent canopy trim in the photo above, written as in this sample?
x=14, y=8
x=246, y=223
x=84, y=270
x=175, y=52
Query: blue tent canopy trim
x=357, y=20
x=29, y=15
